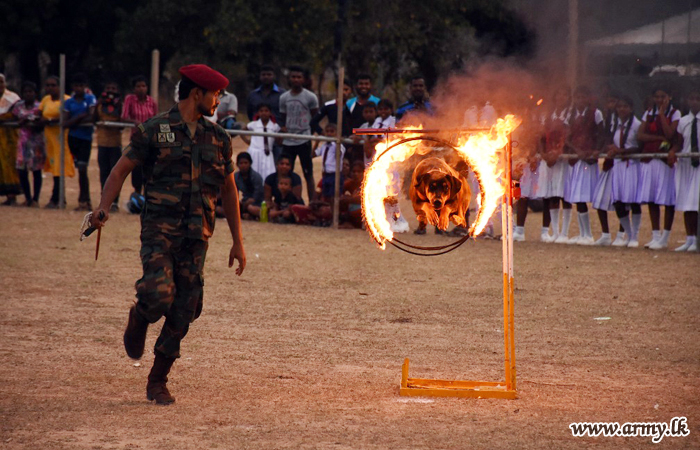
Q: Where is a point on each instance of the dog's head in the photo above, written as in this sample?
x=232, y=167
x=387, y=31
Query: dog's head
x=439, y=187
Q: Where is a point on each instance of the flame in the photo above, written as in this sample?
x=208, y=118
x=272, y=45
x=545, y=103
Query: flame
x=482, y=151
x=539, y=102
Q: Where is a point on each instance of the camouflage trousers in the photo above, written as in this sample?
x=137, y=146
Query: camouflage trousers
x=172, y=286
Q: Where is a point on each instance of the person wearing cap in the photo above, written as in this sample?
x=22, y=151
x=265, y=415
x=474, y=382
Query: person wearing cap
x=186, y=161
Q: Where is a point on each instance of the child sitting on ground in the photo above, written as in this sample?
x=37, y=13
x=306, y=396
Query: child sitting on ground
x=281, y=211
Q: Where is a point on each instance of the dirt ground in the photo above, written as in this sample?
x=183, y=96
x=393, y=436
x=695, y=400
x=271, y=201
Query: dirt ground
x=304, y=351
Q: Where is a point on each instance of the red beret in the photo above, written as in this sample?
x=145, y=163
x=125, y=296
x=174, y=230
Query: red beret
x=204, y=76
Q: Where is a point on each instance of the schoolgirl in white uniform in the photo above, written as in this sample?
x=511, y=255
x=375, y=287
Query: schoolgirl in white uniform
x=657, y=183
x=602, y=197
x=626, y=174
x=586, y=128
x=687, y=177
x=553, y=172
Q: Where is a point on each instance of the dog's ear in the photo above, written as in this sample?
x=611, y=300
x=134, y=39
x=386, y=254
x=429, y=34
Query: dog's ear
x=422, y=178
x=456, y=184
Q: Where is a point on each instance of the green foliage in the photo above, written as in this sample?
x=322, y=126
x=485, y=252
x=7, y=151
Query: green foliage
x=390, y=39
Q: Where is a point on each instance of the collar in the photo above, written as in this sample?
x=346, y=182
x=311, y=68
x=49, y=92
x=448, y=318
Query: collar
x=274, y=88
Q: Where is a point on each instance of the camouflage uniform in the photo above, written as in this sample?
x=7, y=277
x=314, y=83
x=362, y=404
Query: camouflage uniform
x=183, y=175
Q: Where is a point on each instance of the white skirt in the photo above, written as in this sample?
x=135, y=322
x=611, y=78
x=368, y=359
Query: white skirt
x=528, y=183
x=625, y=180
x=582, y=183
x=657, y=184
x=602, y=197
x=687, y=185
x=262, y=163
x=552, y=180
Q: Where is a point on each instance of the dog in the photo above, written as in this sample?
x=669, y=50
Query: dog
x=439, y=194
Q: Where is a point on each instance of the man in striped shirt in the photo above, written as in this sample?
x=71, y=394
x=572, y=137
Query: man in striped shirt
x=138, y=108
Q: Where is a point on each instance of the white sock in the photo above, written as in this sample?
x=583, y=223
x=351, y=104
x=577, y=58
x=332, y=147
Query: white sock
x=627, y=226
x=566, y=221
x=664, y=237
x=554, y=214
x=636, y=223
x=693, y=239
x=581, y=229
x=545, y=230
x=585, y=224
x=519, y=230
x=655, y=235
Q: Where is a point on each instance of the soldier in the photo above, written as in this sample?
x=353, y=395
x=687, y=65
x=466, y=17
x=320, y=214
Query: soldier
x=186, y=160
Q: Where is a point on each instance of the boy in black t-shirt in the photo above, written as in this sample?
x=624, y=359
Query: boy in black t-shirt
x=281, y=211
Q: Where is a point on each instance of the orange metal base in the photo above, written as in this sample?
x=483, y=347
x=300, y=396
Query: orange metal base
x=419, y=387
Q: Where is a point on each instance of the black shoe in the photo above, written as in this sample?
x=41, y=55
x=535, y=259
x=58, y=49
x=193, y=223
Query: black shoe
x=420, y=231
x=135, y=334
x=157, y=388
x=438, y=231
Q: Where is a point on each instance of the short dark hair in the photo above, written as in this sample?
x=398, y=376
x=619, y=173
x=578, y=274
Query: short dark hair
x=626, y=99
x=284, y=177
x=264, y=105
x=347, y=83
x=331, y=125
x=370, y=105
x=244, y=155
x=363, y=76
x=138, y=79
x=79, y=78
x=267, y=68
x=385, y=104
x=29, y=85
x=284, y=156
x=417, y=77
x=185, y=87
x=296, y=69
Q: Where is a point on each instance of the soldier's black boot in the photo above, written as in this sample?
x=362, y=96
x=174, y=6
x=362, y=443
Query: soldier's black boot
x=135, y=334
x=156, y=388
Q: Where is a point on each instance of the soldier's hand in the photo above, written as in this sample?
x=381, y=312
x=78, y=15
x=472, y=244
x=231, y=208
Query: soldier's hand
x=238, y=254
x=98, y=218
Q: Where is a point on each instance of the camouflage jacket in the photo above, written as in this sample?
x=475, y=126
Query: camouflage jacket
x=182, y=173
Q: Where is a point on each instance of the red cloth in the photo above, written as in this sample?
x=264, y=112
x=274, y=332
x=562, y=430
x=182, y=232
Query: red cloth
x=140, y=111
x=204, y=76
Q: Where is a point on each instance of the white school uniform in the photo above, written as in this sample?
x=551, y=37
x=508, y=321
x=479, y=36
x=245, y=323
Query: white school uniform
x=583, y=177
x=657, y=182
x=262, y=163
x=327, y=152
x=687, y=178
x=625, y=173
x=552, y=180
x=389, y=122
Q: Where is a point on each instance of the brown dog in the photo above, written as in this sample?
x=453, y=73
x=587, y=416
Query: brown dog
x=439, y=194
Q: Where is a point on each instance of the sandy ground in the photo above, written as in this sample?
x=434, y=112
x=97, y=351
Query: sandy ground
x=305, y=349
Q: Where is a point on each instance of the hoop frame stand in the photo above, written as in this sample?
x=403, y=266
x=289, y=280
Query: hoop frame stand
x=419, y=387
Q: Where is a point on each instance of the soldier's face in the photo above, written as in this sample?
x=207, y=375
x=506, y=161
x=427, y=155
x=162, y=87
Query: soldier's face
x=208, y=102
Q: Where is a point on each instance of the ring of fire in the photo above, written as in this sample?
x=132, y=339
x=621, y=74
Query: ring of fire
x=480, y=151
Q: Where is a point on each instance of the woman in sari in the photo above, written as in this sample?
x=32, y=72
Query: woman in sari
x=50, y=107
x=9, y=180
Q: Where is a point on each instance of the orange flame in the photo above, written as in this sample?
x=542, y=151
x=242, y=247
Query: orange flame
x=539, y=102
x=483, y=153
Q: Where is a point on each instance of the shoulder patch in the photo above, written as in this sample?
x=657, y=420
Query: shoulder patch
x=141, y=128
x=164, y=127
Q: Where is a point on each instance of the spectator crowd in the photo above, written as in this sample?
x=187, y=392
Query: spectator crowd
x=571, y=123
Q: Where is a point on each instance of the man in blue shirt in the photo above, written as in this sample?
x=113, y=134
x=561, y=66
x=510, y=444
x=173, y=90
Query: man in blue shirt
x=418, y=102
x=268, y=92
x=78, y=111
